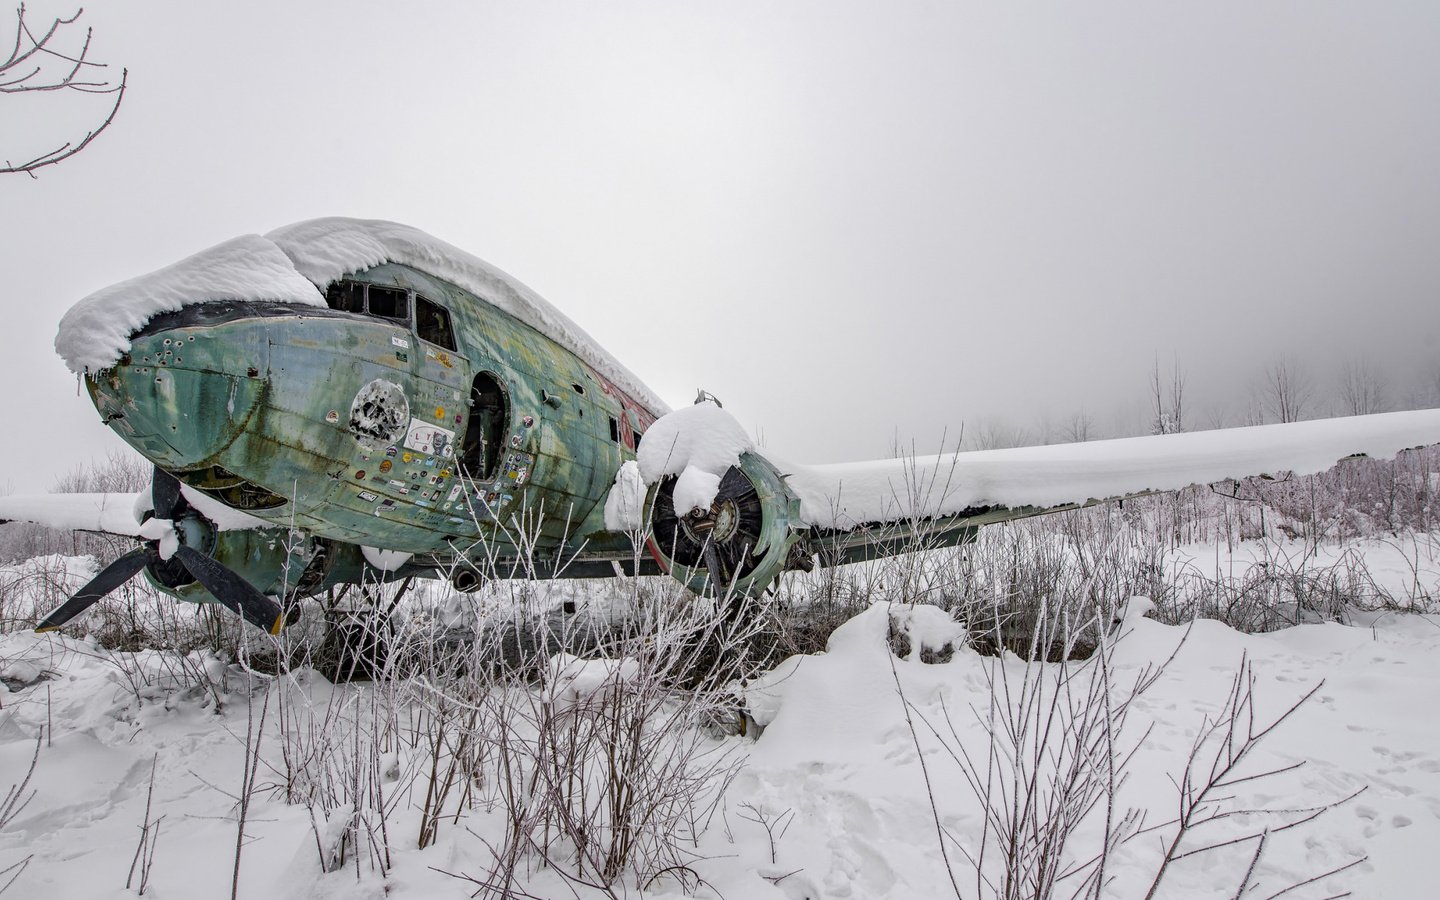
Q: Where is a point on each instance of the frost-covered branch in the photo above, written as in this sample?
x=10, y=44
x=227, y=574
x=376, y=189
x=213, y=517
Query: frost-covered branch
x=35, y=64
x=1222, y=746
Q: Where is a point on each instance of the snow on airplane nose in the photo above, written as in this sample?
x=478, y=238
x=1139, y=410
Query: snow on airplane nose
x=187, y=388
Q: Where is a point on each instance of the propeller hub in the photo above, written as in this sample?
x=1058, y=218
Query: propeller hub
x=179, y=550
x=719, y=523
x=196, y=532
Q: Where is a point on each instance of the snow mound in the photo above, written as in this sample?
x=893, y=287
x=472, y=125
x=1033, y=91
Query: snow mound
x=928, y=628
x=573, y=682
x=625, y=504
x=1136, y=609
x=698, y=443
x=288, y=265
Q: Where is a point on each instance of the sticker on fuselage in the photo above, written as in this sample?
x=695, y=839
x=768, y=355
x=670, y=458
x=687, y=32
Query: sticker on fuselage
x=517, y=468
x=430, y=439
x=439, y=356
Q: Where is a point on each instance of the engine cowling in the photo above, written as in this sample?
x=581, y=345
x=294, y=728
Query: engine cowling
x=741, y=543
x=273, y=560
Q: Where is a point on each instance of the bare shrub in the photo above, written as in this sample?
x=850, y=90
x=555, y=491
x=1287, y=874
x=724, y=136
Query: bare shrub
x=1206, y=793
x=144, y=858
x=17, y=797
x=1054, y=757
x=1055, y=751
x=608, y=768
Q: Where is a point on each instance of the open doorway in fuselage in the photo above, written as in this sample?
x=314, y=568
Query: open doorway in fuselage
x=485, y=435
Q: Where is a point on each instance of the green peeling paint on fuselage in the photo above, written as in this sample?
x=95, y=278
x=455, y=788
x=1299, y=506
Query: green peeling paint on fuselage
x=269, y=396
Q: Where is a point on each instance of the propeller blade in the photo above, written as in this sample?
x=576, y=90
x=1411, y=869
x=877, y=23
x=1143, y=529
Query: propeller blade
x=165, y=494
x=719, y=581
x=232, y=590
x=109, y=578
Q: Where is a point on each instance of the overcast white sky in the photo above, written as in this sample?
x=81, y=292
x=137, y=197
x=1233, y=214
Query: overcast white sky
x=847, y=220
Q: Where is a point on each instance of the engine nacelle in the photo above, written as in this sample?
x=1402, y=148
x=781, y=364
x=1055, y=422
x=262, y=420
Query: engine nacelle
x=748, y=534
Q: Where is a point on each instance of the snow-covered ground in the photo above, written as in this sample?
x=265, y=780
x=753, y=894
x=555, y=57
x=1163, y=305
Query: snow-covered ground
x=844, y=794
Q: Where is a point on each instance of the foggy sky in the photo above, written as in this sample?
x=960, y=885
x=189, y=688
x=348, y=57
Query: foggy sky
x=850, y=221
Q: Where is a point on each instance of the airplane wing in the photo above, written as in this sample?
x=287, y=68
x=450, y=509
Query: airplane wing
x=869, y=508
x=112, y=513
x=719, y=502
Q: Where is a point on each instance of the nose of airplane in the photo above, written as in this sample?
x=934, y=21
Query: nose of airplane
x=182, y=394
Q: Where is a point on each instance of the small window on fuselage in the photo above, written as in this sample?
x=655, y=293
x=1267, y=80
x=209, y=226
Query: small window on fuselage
x=346, y=296
x=389, y=303
x=432, y=323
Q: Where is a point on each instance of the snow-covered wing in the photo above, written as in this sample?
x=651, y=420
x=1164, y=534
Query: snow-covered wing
x=847, y=495
x=113, y=513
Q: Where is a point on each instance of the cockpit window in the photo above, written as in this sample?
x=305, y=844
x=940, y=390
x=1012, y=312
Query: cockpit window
x=346, y=296
x=432, y=323
x=390, y=303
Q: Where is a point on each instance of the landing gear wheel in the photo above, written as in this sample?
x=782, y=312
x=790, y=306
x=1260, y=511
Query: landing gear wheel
x=359, y=643
x=356, y=646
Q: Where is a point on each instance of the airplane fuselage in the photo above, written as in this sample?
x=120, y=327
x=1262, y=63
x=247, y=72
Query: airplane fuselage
x=409, y=415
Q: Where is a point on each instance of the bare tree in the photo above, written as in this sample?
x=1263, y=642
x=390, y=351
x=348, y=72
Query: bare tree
x=994, y=433
x=1217, y=416
x=1432, y=386
x=1078, y=428
x=121, y=472
x=1288, y=391
x=1362, y=389
x=42, y=64
x=1169, y=400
